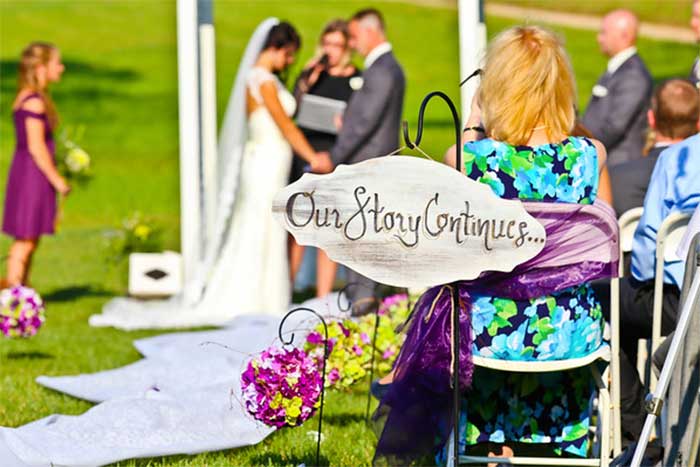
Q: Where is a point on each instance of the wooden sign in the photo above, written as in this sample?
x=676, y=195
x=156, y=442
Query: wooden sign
x=408, y=222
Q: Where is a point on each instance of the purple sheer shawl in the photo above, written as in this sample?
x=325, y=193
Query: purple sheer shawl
x=581, y=246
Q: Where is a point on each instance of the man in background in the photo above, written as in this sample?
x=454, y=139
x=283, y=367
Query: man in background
x=673, y=187
x=673, y=117
x=616, y=112
x=370, y=124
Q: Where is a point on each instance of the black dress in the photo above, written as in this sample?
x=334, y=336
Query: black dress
x=333, y=87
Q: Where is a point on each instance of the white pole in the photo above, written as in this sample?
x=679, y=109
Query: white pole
x=188, y=83
x=207, y=76
x=472, y=44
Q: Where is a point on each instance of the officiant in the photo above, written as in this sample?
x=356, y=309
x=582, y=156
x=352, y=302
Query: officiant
x=327, y=82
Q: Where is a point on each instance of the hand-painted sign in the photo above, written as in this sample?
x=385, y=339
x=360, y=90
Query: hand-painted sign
x=408, y=222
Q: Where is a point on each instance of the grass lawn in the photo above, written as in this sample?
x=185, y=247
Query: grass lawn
x=675, y=12
x=121, y=83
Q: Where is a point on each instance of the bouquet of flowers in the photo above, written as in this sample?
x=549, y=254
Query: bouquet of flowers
x=136, y=234
x=21, y=312
x=350, y=343
x=393, y=312
x=349, y=352
x=281, y=387
x=72, y=160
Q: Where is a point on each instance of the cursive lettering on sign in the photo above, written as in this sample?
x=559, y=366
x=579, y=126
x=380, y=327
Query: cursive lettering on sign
x=371, y=215
x=408, y=222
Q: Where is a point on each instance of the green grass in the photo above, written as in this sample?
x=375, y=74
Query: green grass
x=674, y=12
x=121, y=83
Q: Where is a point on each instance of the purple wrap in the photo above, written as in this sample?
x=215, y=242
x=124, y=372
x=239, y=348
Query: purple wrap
x=581, y=246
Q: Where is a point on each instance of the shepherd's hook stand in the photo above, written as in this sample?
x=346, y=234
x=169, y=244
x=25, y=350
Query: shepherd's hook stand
x=455, y=294
x=348, y=308
x=290, y=341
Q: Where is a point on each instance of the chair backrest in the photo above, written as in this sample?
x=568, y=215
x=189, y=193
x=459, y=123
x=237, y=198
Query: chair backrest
x=670, y=235
x=628, y=224
x=673, y=239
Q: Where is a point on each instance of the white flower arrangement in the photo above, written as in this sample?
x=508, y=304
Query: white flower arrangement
x=356, y=83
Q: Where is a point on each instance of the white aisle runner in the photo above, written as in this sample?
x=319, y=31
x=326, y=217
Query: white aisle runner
x=183, y=398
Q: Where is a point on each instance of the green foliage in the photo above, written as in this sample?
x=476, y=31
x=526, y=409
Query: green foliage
x=137, y=234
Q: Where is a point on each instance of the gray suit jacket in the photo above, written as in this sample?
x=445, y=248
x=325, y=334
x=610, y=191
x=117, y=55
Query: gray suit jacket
x=618, y=119
x=373, y=116
x=695, y=73
x=629, y=181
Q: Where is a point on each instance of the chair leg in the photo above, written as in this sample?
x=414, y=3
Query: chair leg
x=604, y=414
x=615, y=363
x=450, y=450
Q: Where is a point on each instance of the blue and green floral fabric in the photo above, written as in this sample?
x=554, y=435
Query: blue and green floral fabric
x=565, y=172
x=551, y=408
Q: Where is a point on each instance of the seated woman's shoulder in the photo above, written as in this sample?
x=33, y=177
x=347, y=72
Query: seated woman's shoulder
x=35, y=105
x=600, y=150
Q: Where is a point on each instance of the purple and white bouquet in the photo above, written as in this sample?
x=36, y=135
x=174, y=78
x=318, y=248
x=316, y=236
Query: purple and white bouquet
x=21, y=312
x=281, y=387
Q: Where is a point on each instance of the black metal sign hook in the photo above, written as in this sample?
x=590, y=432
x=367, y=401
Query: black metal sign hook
x=455, y=294
x=290, y=341
x=421, y=116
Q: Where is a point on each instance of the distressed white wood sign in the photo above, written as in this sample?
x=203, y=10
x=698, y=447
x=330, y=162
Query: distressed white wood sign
x=408, y=222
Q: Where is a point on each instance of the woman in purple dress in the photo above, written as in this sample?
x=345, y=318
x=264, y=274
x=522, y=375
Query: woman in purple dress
x=33, y=180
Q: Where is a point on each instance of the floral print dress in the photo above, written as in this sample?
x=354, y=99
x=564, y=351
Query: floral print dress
x=551, y=408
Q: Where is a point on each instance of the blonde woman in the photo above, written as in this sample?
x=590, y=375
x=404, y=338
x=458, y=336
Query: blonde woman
x=329, y=74
x=518, y=143
x=33, y=181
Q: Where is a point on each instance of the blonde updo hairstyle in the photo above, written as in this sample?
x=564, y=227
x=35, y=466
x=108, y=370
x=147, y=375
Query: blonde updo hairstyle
x=35, y=54
x=527, y=82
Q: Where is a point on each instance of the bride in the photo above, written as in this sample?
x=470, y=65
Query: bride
x=245, y=268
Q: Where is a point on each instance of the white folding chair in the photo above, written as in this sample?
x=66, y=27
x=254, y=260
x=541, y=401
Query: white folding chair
x=668, y=238
x=627, y=223
x=602, y=451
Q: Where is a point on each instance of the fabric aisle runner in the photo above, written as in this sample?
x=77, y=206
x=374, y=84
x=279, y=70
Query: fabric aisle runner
x=182, y=398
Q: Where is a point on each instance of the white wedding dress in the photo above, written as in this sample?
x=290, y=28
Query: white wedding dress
x=255, y=258
x=246, y=269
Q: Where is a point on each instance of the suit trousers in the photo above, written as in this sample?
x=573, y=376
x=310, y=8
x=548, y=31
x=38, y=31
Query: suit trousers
x=362, y=293
x=636, y=316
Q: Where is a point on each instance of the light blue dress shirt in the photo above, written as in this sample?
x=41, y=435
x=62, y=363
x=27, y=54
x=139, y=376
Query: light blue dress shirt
x=674, y=186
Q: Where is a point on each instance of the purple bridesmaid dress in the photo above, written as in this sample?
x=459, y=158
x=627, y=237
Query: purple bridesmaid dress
x=30, y=200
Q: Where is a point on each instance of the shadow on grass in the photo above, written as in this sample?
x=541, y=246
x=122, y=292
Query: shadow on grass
x=278, y=460
x=79, y=71
x=9, y=70
x=32, y=355
x=76, y=292
x=342, y=419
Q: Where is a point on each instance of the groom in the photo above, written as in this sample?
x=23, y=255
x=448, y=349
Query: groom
x=370, y=125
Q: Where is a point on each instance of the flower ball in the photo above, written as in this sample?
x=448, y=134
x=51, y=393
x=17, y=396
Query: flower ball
x=281, y=387
x=21, y=312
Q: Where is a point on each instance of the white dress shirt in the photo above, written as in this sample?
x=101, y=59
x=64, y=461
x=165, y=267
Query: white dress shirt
x=377, y=52
x=621, y=57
